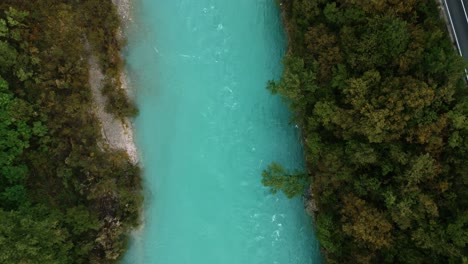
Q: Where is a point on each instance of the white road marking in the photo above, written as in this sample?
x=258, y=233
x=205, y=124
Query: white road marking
x=453, y=28
x=464, y=10
x=455, y=32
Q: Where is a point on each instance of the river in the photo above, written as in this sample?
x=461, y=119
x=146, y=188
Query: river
x=206, y=130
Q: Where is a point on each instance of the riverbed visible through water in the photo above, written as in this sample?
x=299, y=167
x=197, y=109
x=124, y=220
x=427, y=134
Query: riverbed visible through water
x=206, y=130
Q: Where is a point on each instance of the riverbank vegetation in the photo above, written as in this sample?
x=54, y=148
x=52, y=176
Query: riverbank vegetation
x=378, y=90
x=65, y=196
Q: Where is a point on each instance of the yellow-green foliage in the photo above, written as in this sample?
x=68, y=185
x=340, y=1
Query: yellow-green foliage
x=378, y=91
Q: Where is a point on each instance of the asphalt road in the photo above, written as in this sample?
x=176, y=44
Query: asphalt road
x=458, y=16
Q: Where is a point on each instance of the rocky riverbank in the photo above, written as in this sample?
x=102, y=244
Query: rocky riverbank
x=117, y=132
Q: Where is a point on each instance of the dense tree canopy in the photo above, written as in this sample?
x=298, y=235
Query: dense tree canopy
x=65, y=196
x=378, y=91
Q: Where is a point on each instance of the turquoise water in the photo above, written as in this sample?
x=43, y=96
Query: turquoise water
x=206, y=130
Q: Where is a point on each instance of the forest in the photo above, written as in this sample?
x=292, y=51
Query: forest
x=65, y=195
x=378, y=91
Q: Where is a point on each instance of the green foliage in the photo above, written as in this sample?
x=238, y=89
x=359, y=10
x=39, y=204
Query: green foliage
x=14, y=139
x=65, y=197
x=277, y=179
x=377, y=89
x=327, y=233
x=7, y=55
x=31, y=237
